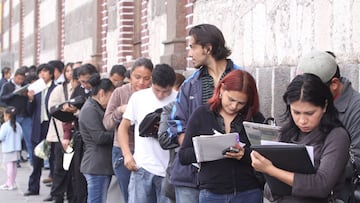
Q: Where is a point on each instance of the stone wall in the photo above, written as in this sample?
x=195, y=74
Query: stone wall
x=268, y=36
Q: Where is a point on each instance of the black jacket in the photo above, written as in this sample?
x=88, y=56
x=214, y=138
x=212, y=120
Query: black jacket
x=222, y=176
x=10, y=99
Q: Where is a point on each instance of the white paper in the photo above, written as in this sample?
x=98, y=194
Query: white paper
x=309, y=149
x=37, y=86
x=210, y=147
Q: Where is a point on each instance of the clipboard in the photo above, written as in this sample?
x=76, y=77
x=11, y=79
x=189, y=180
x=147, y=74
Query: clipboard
x=294, y=158
x=258, y=131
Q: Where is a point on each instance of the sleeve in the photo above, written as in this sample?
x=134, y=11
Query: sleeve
x=165, y=140
x=6, y=94
x=113, y=116
x=354, y=131
x=130, y=111
x=320, y=184
x=187, y=152
x=55, y=97
x=3, y=132
x=179, y=115
x=93, y=122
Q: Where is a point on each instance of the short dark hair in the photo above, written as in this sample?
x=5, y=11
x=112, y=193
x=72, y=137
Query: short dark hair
x=57, y=64
x=21, y=71
x=5, y=70
x=118, y=69
x=46, y=67
x=143, y=62
x=207, y=34
x=86, y=69
x=163, y=75
x=101, y=84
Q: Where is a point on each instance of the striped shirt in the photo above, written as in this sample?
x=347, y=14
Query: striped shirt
x=208, y=83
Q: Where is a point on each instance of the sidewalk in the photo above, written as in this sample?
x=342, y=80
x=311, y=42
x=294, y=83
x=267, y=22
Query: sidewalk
x=22, y=178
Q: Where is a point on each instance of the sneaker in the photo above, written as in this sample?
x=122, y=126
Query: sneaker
x=12, y=187
x=6, y=187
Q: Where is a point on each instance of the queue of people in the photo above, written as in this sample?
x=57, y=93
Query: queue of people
x=322, y=110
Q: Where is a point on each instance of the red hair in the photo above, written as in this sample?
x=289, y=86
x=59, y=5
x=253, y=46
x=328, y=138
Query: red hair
x=242, y=81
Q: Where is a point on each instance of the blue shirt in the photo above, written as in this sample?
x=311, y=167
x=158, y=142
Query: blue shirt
x=11, y=141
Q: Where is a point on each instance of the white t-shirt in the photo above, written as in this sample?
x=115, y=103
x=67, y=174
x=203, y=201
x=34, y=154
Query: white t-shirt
x=148, y=153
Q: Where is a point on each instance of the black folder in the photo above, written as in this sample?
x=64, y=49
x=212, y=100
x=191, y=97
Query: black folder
x=293, y=158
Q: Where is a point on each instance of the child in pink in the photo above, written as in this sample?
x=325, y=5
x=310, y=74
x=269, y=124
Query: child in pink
x=10, y=135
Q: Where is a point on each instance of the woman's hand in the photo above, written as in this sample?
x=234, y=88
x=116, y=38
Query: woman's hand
x=260, y=163
x=130, y=163
x=236, y=155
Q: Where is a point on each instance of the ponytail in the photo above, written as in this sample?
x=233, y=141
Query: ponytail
x=11, y=111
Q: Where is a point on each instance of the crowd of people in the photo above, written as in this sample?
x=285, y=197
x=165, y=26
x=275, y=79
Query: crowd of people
x=138, y=125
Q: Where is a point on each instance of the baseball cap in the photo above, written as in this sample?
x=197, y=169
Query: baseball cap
x=318, y=63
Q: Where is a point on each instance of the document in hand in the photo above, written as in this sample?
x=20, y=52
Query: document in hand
x=290, y=157
x=37, y=86
x=21, y=89
x=210, y=147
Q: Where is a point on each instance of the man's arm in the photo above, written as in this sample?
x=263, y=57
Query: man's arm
x=123, y=137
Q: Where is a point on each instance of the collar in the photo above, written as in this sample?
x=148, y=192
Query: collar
x=204, y=71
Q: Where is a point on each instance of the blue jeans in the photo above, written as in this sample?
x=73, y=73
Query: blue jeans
x=145, y=187
x=97, y=186
x=253, y=196
x=26, y=126
x=186, y=194
x=121, y=172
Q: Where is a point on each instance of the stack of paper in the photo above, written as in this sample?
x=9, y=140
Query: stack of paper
x=210, y=147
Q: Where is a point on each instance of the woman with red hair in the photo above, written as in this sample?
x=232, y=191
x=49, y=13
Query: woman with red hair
x=231, y=179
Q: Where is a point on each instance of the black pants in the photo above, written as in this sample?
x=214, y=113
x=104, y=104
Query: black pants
x=78, y=180
x=61, y=178
x=34, y=179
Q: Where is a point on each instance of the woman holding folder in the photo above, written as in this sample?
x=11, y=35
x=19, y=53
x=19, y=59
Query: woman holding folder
x=231, y=179
x=311, y=119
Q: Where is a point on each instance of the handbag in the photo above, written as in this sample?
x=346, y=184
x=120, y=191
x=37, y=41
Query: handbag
x=42, y=150
x=68, y=153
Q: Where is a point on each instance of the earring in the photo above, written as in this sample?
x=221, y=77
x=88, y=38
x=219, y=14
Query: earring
x=220, y=95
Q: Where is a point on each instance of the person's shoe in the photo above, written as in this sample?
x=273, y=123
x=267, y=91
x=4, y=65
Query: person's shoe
x=18, y=165
x=47, y=180
x=4, y=187
x=30, y=193
x=48, y=199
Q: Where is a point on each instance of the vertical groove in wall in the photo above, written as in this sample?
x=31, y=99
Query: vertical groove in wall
x=2, y=27
x=10, y=25
x=37, y=32
x=144, y=29
x=189, y=13
x=21, y=41
x=104, y=27
x=60, y=29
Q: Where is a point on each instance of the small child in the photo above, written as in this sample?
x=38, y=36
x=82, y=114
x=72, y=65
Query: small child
x=10, y=135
